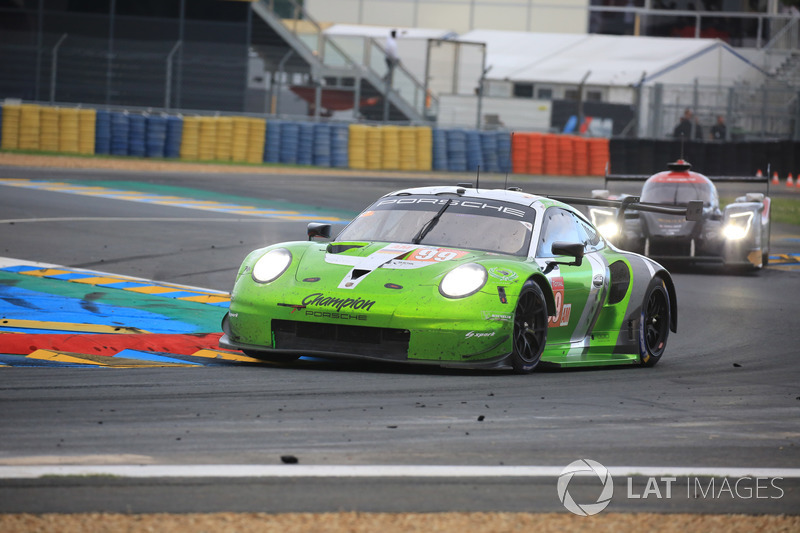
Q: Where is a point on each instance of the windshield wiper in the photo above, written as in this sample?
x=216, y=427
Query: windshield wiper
x=429, y=225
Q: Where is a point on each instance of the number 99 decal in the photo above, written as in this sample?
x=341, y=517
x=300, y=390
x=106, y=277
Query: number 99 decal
x=561, y=317
x=436, y=254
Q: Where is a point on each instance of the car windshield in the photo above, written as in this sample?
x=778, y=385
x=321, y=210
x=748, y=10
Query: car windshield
x=678, y=193
x=475, y=224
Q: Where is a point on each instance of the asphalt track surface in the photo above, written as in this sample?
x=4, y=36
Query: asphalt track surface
x=722, y=406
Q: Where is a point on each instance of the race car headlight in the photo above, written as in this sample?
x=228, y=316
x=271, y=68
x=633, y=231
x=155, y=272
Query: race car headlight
x=271, y=265
x=605, y=221
x=463, y=281
x=738, y=226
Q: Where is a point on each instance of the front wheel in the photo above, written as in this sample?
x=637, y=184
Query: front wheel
x=654, y=322
x=530, y=328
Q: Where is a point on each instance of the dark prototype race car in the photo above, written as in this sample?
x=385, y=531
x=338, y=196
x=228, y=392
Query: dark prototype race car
x=736, y=236
x=456, y=277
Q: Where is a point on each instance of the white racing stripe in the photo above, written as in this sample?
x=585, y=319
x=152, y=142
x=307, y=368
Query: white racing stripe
x=371, y=471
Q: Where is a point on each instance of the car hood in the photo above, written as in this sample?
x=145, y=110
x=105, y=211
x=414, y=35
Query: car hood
x=347, y=265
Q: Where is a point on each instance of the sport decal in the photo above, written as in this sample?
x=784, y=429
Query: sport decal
x=502, y=274
x=563, y=310
x=320, y=300
x=436, y=254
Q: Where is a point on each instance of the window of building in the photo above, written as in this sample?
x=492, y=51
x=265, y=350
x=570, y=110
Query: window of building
x=523, y=90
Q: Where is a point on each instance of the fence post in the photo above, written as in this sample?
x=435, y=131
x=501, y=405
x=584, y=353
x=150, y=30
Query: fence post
x=54, y=68
x=168, y=88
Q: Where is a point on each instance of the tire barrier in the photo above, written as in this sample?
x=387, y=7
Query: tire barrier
x=102, y=133
x=305, y=143
x=49, y=129
x=69, y=130
x=87, y=124
x=137, y=131
x=290, y=138
x=36, y=127
x=340, y=138
x=190, y=139
x=272, y=142
x=155, y=136
x=172, y=137
x=119, y=133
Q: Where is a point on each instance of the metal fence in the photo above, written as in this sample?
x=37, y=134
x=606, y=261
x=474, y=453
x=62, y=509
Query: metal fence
x=750, y=112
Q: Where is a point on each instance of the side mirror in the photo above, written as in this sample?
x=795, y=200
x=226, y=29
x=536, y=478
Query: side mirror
x=571, y=249
x=694, y=210
x=317, y=229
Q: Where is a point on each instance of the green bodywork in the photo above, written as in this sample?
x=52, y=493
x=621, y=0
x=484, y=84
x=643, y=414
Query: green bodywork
x=403, y=294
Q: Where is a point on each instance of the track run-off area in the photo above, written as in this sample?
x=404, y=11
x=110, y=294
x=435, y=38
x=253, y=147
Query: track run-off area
x=117, y=398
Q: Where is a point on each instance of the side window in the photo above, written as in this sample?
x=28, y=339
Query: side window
x=591, y=240
x=558, y=226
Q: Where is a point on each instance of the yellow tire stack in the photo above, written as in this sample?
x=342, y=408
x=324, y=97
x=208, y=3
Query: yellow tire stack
x=408, y=148
x=29, y=127
x=69, y=130
x=49, y=129
x=86, y=130
x=374, y=148
x=391, y=148
x=190, y=138
x=224, y=138
x=424, y=147
x=240, y=136
x=11, y=120
x=357, y=146
x=206, y=146
x=255, y=140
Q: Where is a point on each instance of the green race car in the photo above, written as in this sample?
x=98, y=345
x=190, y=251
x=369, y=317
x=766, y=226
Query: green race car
x=456, y=277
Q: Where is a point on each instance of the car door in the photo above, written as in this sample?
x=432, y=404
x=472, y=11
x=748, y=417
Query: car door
x=577, y=289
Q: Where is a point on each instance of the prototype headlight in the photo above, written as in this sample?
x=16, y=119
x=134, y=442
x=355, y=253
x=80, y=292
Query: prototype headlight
x=271, y=265
x=463, y=281
x=738, y=226
x=605, y=221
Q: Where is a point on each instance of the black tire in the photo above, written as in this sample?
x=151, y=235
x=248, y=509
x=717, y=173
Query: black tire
x=272, y=357
x=530, y=328
x=654, y=322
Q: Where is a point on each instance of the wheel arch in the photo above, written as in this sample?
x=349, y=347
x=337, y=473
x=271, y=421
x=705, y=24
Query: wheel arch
x=673, y=299
x=549, y=299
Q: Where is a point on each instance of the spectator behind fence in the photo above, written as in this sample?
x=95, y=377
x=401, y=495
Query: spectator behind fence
x=719, y=130
x=392, y=57
x=687, y=123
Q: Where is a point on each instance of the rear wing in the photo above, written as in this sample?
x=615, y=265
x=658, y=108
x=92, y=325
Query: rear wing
x=721, y=179
x=693, y=211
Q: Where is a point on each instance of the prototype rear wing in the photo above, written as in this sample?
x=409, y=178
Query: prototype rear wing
x=693, y=210
x=721, y=179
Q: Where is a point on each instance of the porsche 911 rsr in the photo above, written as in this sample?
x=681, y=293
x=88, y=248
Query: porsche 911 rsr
x=456, y=277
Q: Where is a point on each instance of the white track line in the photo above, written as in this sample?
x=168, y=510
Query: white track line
x=370, y=471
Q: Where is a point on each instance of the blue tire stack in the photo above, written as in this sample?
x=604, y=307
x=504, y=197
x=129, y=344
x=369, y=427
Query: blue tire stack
x=155, y=136
x=504, y=152
x=290, y=139
x=119, y=133
x=102, y=133
x=305, y=143
x=136, y=135
x=272, y=142
x=439, y=155
x=456, y=150
x=174, y=135
x=489, y=151
x=340, y=136
x=322, y=145
x=474, y=154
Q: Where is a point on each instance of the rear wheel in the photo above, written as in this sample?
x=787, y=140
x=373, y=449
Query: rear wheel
x=530, y=328
x=654, y=322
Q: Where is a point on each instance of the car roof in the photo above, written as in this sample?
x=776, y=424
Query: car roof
x=679, y=172
x=512, y=196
